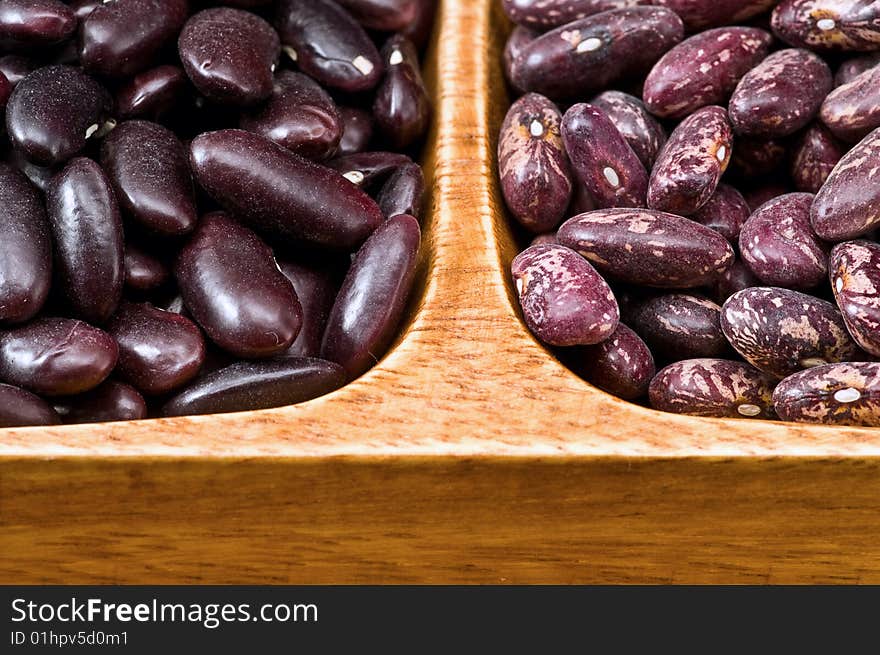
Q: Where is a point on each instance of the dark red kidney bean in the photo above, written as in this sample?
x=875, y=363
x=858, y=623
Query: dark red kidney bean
x=151, y=94
x=229, y=55
x=39, y=176
x=26, y=264
x=779, y=245
x=602, y=159
x=642, y=132
x=848, y=204
x=647, y=247
x=401, y=106
x=5, y=91
x=543, y=15
x=56, y=356
x=124, y=37
x=112, y=401
x=370, y=304
x=281, y=193
x=851, y=111
x=28, y=24
x=691, y=163
x=316, y=289
x=147, y=165
x=564, y=300
x=586, y=56
x=87, y=233
x=827, y=25
x=418, y=30
x=703, y=70
x=725, y=212
x=736, y=278
x=82, y=8
x=328, y=44
x=15, y=68
x=299, y=115
x=815, y=155
x=839, y=394
x=159, y=351
x=713, y=387
x=357, y=131
x=53, y=111
x=532, y=163
x=366, y=169
x=780, y=331
x=382, y=15
x=755, y=157
x=519, y=37
x=854, y=269
x=855, y=66
x=699, y=14
x=757, y=195
x=20, y=408
x=257, y=385
x=680, y=326
x=403, y=192
x=233, y=288
x=621, y=365
x=143, y=272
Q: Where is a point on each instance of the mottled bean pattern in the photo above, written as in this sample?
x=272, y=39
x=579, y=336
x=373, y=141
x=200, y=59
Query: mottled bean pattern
x=828, y=25
x=841, y=394
x=854, y=269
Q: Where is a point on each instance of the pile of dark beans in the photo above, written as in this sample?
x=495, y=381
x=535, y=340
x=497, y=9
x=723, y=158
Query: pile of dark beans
x=203, y=208
x=700, y=182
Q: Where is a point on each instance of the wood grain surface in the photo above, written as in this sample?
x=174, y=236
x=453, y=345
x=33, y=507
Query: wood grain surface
x=468, y=454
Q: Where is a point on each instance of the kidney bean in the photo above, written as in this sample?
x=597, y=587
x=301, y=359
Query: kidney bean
x=621, y=365
x=357, y=131
x=602, y=159
x=840, y=394
x=815, y=155
x=851, y=111
x=143, y=272
x=366, y=169
x=725, y=212
x=756, y=157
x=53, y=111
x=585, y=56
x=691, y=163
x=151, y=94
x=233, y=288
x=713, y=387
x=401, y=107
x=855, y=66
x=532, y=164
x=854, y=269
x=124, y=37
x=257, y=385
x=29, y=24
x=736, y=278
x=112, y=401
x=148, y=167
x=403, y=192
x=827, y=25
x=82, y=8
x=87, y=232
x=20, y=408
x=703, y=70
x=543, y=15
x=316, y=290
x=647, y=247
x=56, y=356
x=848, y=204
x=700, y=14
x=565, y=302
x=382, y=15
x=370, y=304
x=780, y=331
x=680, y=326
x=548, y=238
x=641, y=130
x=581, y=200
x=328, y=44
x=519, y=37
x=16, y=67
x=758, y=195
x=281, y=193
x=5, y=91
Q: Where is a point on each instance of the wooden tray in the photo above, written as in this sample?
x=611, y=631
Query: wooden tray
x=468, y=454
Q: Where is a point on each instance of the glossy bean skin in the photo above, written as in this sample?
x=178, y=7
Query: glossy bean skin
x=257, y=385
x=329, y=45
x=26, y=261
x=680, y=326
x=39, y=176
x=357, y=131
x=586, y=56
x=756, y=157
x=699, y=14
x=532, y=163
x=564, y=300
x=148, y=167
x=82, y=8
x=815, y=155
x=703, y=70
x=757, y=195
x=87, y=234
x=851, y=26
x=854, y=269
x=403, y=192
x=108, y=44
x=20, y=408
x=691, y=163
x=112, y=401
x=602, y=159
x=725, y=212
x=5, y=92
x=855, y=66
x=641, y=130
x=28, y=24
x=779, y=245
x=647, y=247
x=519, y=37
x=316, y=290
x=382, y=15
x=851, y=111
x=52, y=112
x=143, y=272
x=545, y=15
x=56, y=356
x=838, y=394
x=280, y=193
x=780, y=331
x=232, y=287
x=367, y=169
x=16, y=67
x=736, y=278
x=229, y=55
x=151, y=94
x=848, y=204
x=159, y=351
x=401, y=106
x=622, y=365
x=713, y=387
x=370, y=304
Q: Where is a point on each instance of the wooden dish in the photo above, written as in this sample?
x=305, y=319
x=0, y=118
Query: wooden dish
x=468, y=454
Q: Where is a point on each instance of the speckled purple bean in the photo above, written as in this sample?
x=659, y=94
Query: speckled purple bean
x=641, y=130
x=316, y=290
x=815, y=155
x=828, y=25
x=112, y=401
x=403, y=192
x=621, y=365
x=780, y=331
x=28, y=24
x=839, y=394
x=401, y=106
x=700, y=14
x=548, y=238
x=851, y=68
x=564, y=300
x=519, y=37
x=543, y=15
x=854, y=270
x=680, y=326
x=151, y=94
x=647, y=247
x=851, y=111
x=20, y=408
x=357, y=131
x=725, y=212
x=736, y=278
